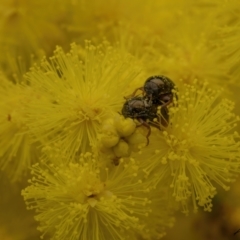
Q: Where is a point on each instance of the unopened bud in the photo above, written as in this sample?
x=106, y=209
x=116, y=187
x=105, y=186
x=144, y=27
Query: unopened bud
x=121, y=149
x=125, y=126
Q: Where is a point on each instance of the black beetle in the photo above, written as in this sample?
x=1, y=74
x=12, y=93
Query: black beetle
x=158, y=90
x=145, y=112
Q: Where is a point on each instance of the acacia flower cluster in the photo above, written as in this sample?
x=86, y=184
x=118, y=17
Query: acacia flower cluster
x=28, y=27
x=199, y=148
x=77, y=187
x=100, y=170
x=92, y=188
x=87, y=200
x=79, y=90
x=18, y=150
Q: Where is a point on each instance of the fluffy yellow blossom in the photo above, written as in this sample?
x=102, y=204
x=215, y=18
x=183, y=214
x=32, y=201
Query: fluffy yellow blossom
x=225, y=18
x=191, y=55
x=86, y=200
x=70, y=105
x=93, y=19
x=80, y=90
x=162, y=207
x=227, y=12
x=18, y=150
x=230, y=51
x=28, y=27
x=199, y=149
x=145, y=37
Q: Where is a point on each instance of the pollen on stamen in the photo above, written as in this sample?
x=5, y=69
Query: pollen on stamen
x=198, y=150
x=84, y=197
x=80, y=91
x=18, y=148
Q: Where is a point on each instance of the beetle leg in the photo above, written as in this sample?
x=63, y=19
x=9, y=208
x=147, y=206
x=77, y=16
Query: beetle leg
x=166, y=99
x=163, y=117
x=134, y=93
x=165, y=104
x=145, y=124
x=155, y=124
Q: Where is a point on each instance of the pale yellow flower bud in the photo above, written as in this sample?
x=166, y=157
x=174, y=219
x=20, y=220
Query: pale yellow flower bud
x=136, y=138
x=125, y=126
x=109, y=136
x=121, y=149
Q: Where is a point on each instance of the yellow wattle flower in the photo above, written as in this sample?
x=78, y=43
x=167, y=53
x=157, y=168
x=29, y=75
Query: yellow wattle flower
x=194, y=55
x=123, y=190
x=28, y=27
x=18, y=150
x=230, y=51
x=200, y=148
x=80, y=89
x=87, y=200
x=94, y=20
